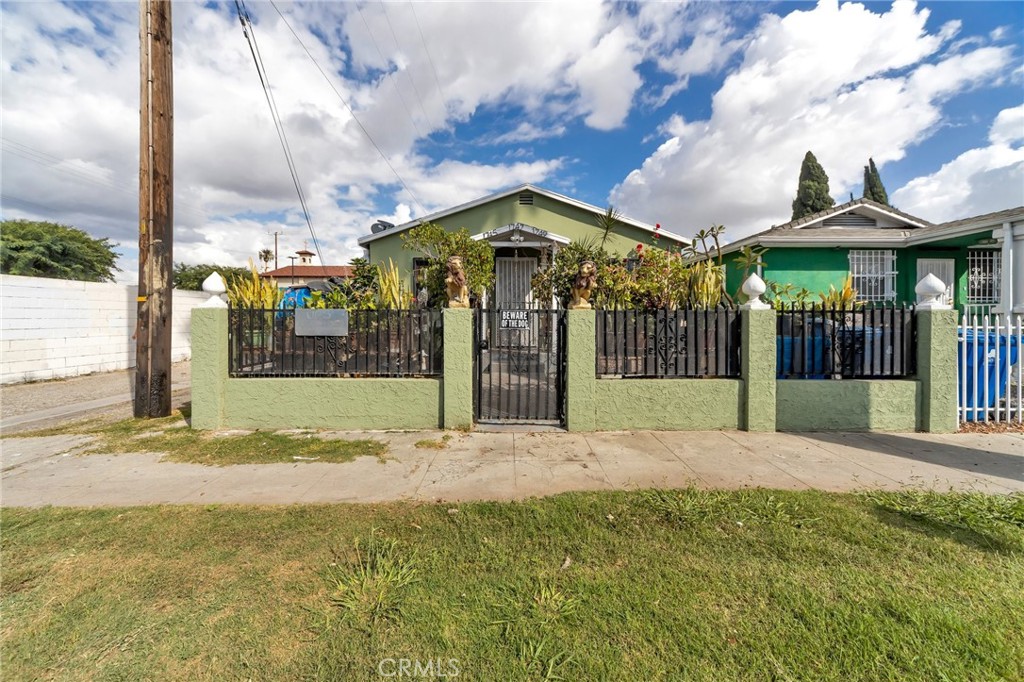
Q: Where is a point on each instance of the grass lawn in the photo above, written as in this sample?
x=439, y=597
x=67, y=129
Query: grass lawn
x=180, y=443
x=685, y=585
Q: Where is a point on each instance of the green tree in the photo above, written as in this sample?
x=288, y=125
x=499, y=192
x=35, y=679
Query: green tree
x=812, y=193
x=437, y=244
x=191, y=277
x=43, y=249
x=873, y=187
x=364, y=275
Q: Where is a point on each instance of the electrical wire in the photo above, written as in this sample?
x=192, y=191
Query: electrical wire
x=355, y=118
x=398, y=48
x=250, y=36
x=394, y=81
x=437, y=80
x=50, y=161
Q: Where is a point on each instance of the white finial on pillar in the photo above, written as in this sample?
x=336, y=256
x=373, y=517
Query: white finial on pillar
x=753, y=287
x=931, y=289
x=214, y=285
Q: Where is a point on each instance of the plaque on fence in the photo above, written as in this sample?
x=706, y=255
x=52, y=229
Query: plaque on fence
x=515, y=319
x=321, y=322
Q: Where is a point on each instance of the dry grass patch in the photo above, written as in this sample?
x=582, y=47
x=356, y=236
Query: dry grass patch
x=439, y=444
x=173, y=437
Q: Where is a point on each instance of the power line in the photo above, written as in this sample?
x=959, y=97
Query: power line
x=437, y=80
x=250, y=36
x=50, y=161
x=349, y=108
x=394, y=81
x=48, y=210
x=412, y=81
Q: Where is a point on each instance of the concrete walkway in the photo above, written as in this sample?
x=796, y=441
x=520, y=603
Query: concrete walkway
x=498, y=466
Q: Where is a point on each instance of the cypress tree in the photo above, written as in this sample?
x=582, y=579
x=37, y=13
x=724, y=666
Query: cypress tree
x=812, y=194
x=873, y=187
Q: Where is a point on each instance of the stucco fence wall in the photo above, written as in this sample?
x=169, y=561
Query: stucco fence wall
x=756, y=401
x=53, y=328
x=219, y=401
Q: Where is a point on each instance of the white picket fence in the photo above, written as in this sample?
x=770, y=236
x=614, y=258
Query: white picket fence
x=991, y=359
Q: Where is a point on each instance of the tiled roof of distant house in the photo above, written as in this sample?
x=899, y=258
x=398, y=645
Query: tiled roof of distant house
x=311, y=271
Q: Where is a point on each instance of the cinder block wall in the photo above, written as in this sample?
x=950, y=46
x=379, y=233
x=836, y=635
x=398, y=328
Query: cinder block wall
x=52, y=328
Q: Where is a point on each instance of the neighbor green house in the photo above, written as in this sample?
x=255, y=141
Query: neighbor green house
x=526, y=225
x=886, y=252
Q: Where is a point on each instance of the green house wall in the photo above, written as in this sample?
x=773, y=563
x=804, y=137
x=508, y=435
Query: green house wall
x=816, y=268
x=546, y=213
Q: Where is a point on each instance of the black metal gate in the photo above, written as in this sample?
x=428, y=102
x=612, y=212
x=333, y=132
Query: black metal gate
x=520, y=366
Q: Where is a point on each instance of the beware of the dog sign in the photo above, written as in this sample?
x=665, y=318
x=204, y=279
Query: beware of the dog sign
x=515, y=319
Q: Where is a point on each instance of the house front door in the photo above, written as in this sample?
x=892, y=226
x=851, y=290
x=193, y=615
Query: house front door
x=941, y=268
x=512, y=281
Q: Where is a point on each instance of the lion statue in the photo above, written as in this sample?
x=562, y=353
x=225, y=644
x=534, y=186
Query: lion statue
x=583, y=286
x=458, y=293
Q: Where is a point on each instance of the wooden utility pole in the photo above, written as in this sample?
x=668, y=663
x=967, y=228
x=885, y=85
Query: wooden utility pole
x=276, y=234
x=156, y=215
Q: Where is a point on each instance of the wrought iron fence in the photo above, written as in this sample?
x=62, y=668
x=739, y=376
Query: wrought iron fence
x=862, y=342
x=380, y=343
x=663, y=343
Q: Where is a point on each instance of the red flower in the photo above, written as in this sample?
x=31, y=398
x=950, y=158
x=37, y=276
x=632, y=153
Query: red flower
x=639, y=248
x=657, y=226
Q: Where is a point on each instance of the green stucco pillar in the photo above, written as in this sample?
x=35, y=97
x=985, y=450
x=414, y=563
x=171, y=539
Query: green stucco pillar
x=209, y=366
x=936, y=368
x=457, y=395
x=757, y=367
x=581, y=373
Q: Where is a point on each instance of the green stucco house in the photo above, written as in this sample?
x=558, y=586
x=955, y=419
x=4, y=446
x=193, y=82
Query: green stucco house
x=887, y=252
x=526, y=225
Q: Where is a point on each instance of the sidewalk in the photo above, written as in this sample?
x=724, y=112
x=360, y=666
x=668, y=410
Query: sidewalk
x=500, y=466
x=24, y=407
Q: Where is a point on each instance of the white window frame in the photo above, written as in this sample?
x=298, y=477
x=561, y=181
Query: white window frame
x=874, y=274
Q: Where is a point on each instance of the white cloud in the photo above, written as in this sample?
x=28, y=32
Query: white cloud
x=1008, y=126
x=978, y=181
x=842, y=81
x=70, y=112
x=526, y=132
x=607, y=79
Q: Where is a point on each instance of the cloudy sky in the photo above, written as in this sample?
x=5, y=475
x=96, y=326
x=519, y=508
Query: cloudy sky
x=687, y=114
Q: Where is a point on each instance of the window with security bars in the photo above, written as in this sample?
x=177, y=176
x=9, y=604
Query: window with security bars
x=983, y=268
x=874, y=274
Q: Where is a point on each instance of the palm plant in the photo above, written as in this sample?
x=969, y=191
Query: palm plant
x=607, y=222
x=266, y=255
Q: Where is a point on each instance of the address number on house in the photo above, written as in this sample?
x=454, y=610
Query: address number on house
x=515, y=319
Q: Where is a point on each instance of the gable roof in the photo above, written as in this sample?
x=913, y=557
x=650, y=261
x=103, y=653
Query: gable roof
x=811, y=231
x=866, y=205
x=525, y=187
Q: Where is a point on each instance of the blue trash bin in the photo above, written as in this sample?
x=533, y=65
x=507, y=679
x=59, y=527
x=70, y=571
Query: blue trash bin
x=810, y=356
x=982, y=369
x=857, y=350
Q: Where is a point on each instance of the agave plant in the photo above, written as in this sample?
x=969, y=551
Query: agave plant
x=254, y=291
x=842, y=298
x=392, y=291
